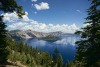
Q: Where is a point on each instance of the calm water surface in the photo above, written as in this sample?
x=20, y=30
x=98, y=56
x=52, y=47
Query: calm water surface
x=66, y=46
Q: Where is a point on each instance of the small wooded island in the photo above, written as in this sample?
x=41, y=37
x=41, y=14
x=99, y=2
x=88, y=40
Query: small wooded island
x=50, y=38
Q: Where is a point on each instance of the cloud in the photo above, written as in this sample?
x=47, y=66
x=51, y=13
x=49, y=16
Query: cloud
x=34, y=0
x=62, y=41
x=66, y=41
x=42, y=6
x=79, y=11
x=25, y=17
x=14, y=23
x=13, y=17
x=17, y=25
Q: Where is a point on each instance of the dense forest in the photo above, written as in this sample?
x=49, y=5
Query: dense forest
x=20, y=52
x=88, y=49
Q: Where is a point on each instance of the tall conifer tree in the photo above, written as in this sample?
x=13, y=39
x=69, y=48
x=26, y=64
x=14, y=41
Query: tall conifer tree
x=6, y=6
x=88, y=50
x=60, y=61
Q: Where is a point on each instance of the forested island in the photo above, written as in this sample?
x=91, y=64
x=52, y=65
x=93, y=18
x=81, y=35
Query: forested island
x=50, y=38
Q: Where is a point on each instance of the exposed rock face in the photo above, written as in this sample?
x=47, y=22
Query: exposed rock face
x=58, y=33
x=42, y=34
x=21, y=34
x=34, y=33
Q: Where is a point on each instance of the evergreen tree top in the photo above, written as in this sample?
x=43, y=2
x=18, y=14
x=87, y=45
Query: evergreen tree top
x=11, y=6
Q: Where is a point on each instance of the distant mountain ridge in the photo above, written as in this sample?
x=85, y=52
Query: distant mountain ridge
x=21, y=34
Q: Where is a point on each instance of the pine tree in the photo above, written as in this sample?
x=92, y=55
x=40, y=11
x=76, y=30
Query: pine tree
x=3, y=50
x=6, y=6
x=88, y=50
x=60, y=61
x=20, y=46
x=55, y=55
x=68, y=64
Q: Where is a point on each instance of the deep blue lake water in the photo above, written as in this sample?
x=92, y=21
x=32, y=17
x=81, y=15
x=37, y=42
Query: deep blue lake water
x=66, y=46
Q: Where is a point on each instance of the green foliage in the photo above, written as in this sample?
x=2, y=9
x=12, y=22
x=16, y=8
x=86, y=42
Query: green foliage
x=27, y=55
x=19, y=53
x=47, y=60
x=74, y=64
x=55, y=56
x=57, y=60
x=88, y=50
x=51, y=38
x=60, y=61
x=6, y=6
x=31, y=57
x=10, y=6
x=3, y=44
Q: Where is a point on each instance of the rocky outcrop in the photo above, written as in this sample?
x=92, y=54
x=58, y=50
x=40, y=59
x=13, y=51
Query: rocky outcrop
x=21, y=34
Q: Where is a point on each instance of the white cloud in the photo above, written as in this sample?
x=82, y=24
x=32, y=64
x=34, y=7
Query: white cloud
x=12, y=17
x=42, y=26
x=27, y=23
x=62, y=41
x=34, y=0
x=25, y=17
x=17, y=25
x=79, y=11
x=67, y=41
x=42, y=6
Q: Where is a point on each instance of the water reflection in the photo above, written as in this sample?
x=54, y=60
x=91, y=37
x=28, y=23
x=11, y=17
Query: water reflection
x=66, y=46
